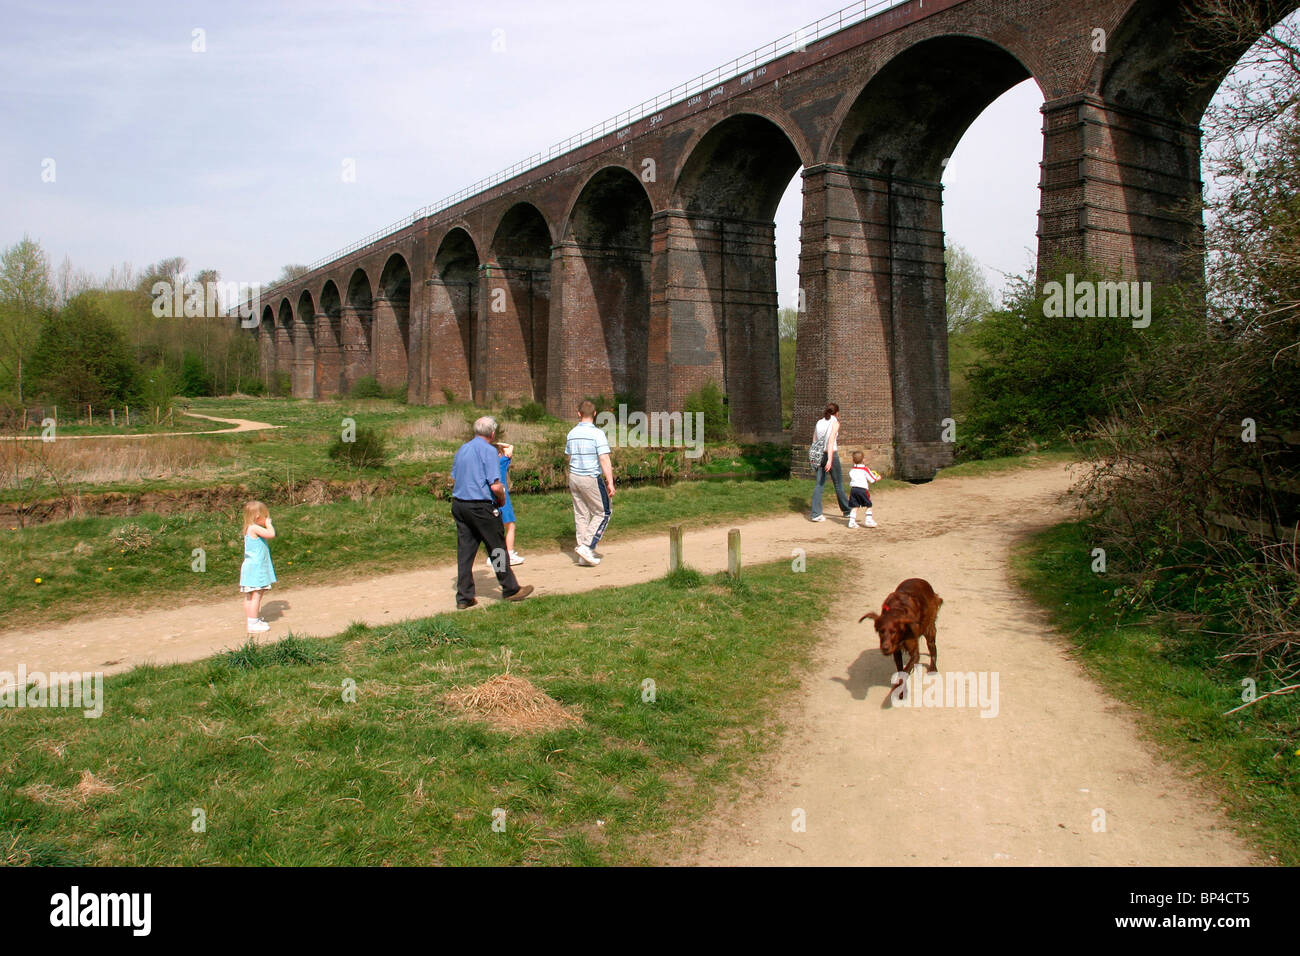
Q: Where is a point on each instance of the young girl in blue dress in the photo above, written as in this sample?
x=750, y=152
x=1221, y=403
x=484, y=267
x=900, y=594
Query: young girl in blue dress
x=506, y=454
x=256, y=575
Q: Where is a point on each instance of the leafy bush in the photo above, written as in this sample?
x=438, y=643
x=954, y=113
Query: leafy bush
x=194, y=380
x=368, y=449
x=367, y=386
x=1037, y=379
x=448, y=395
x=711, y=401
x=529, y=411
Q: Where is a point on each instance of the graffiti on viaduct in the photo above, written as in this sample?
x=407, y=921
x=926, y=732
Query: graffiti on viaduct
x=642, y=263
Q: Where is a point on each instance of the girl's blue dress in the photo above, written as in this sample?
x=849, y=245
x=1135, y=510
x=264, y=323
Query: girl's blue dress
x=256, y=571
x=507, y=509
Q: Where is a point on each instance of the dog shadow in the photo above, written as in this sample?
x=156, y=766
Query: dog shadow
x=870, y=669
x=274, y=610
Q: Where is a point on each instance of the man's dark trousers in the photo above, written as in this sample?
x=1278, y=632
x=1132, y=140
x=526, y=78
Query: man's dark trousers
x=479, y=522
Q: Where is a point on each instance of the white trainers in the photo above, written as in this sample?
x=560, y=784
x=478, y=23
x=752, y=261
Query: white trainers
x=258, y=626
x=853, y=524
x=819, y=518
x=868, y=521
x=516, y=558
x=586, y=556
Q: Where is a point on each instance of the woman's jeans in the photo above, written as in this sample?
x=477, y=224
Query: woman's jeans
x=839, y=487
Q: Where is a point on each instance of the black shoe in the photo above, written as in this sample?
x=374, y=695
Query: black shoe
x=473, y=602
x=519, y=595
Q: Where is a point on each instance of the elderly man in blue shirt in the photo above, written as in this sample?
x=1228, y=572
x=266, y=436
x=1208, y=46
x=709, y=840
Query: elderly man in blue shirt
x=476, y=497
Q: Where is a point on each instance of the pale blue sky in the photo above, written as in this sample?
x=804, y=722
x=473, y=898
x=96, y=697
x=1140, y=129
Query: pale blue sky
x=232, y=157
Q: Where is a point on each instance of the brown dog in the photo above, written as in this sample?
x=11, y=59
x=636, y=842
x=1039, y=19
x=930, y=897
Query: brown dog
x=909, y=612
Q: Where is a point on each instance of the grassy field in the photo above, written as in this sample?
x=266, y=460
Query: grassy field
x=421, y=442
x=1251, y=759
x=288, y=772
x=93, y=565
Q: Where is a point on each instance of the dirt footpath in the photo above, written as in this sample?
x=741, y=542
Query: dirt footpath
x=241, y=425
x=1055, y=774
x=876, y=784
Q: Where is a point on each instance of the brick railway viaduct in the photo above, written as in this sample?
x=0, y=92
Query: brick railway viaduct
x=641, y=263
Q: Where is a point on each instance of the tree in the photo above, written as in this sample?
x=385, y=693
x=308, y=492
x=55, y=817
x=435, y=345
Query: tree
x=788, y=324
x=25, y=295
x=194, y=378
x=289, y=273
x=969, y=295
x=80, y=357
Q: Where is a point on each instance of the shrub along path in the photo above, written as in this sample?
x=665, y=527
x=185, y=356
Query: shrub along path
x=877, y=784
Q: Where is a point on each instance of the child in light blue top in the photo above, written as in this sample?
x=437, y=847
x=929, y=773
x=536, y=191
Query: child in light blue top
x=506, y=454
x=256, y=575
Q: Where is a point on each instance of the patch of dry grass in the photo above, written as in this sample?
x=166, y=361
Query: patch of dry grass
x=433, y=438
x=513, y=704
x=101, y=462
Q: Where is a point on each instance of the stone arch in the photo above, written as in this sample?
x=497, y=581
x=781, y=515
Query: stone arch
x=520, y=301
x=304, y=348
x=329, y=344
x=873, y=270
x=392, y=324
x=1160, y=62
x=266, y=345
x=1137, y=129
x=453, y=318
x=284, y=358
x=722, y=291
x=358, y=329
x=602, y=281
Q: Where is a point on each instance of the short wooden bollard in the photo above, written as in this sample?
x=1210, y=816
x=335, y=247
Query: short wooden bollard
x=733, y=552
x=674, y=547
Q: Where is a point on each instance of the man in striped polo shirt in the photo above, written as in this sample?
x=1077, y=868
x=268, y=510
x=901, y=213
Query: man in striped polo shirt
x=588, y=451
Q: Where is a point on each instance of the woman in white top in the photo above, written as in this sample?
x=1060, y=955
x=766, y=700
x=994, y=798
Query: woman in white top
x=829, y=429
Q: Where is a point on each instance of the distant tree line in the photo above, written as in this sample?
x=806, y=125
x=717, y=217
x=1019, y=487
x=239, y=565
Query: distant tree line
x=69, y=339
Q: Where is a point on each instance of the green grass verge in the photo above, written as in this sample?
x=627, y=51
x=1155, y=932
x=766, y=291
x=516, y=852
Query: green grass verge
x=286, y=771
x=89, y=565
x=1250, y=759
x=997, y=466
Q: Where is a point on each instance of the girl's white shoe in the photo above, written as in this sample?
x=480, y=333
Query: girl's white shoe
x=257, y=626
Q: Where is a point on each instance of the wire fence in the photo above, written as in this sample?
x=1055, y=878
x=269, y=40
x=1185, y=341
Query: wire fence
x=795, y=42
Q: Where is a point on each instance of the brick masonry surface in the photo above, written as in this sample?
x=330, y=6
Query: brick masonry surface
x=641, y=266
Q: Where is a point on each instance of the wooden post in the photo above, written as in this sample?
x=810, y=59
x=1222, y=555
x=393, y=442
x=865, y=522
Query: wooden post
x=90, y=414
x=733, y=552
x=674, y=547
x=112, y=417
x=24, y=419
x=127, y=409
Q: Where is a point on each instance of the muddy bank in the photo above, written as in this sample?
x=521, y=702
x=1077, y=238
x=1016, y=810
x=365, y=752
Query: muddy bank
x=223, y=498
